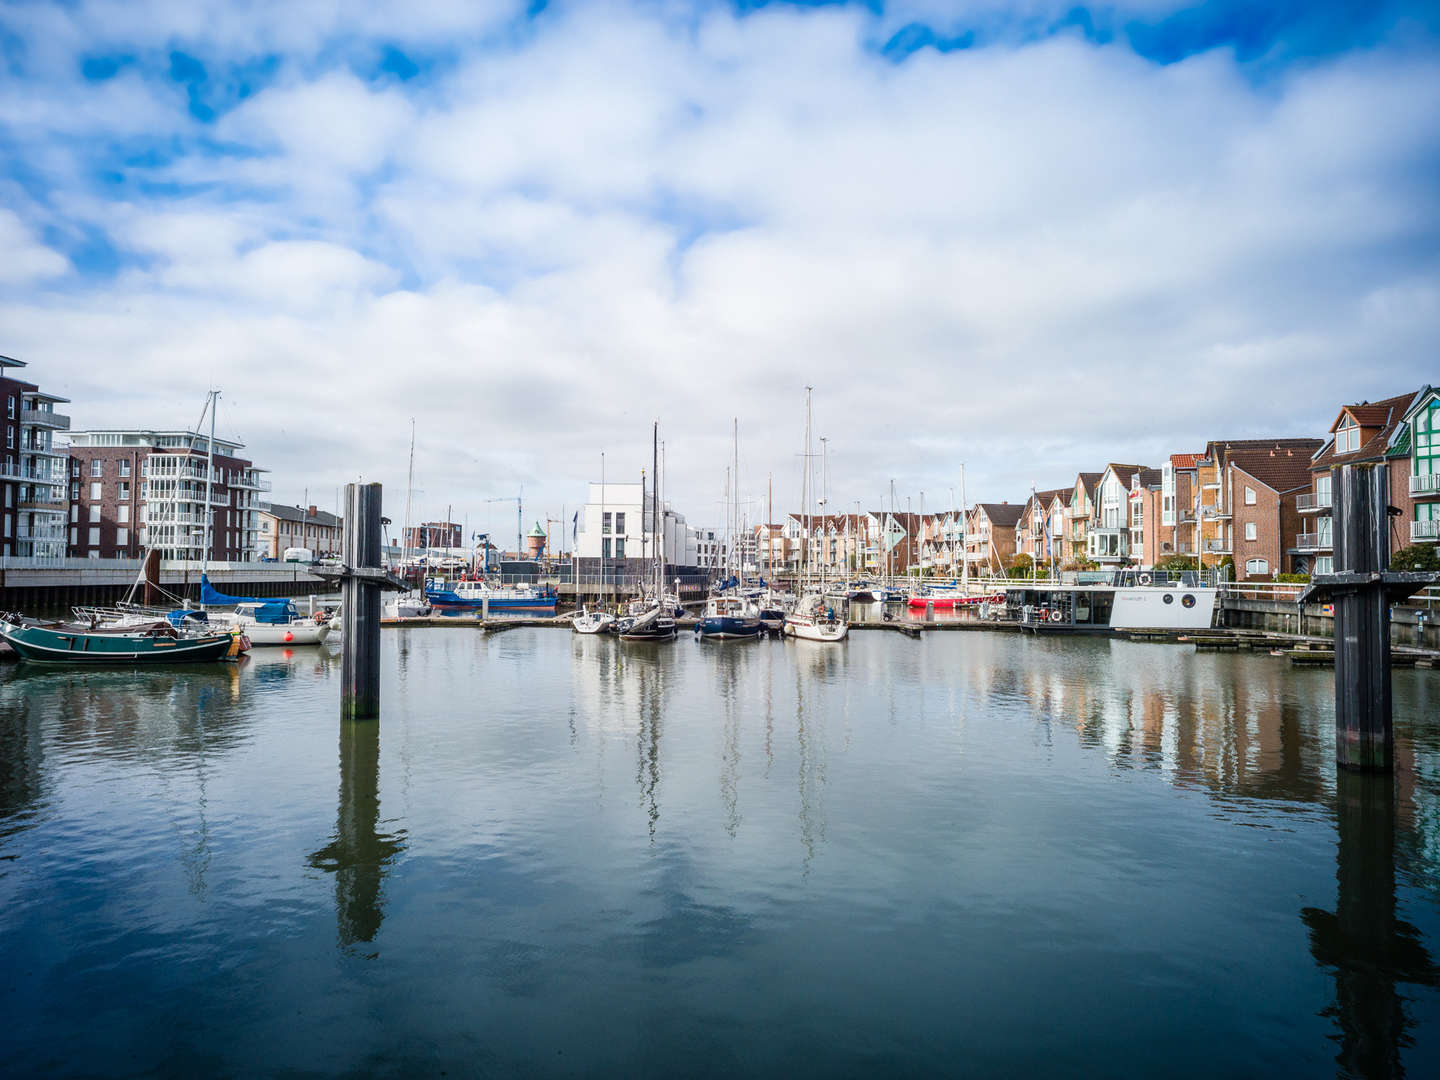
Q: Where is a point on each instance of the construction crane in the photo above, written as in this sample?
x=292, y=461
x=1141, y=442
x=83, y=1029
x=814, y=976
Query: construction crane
x=519, y=501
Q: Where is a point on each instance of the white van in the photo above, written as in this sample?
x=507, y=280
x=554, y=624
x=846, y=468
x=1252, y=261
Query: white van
x=302, y=555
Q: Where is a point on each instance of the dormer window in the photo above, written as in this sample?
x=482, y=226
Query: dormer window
x=1347, y=438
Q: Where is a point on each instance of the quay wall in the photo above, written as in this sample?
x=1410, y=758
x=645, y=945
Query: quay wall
x=1408, y=625
x=33, y=589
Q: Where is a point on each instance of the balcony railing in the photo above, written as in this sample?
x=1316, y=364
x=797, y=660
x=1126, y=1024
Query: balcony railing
x=1217, y=547
x=1425, y=485
x=1312, y=541
x=1312, y=501
x=57, y=505
x=44, y=418
x=1424, y=531
x=251, y=483
x=40, y=532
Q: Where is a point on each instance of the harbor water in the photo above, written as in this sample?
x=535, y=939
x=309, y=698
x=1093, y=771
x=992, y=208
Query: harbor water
x=975, y=854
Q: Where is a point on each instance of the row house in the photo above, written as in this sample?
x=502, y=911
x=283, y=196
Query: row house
x=942, y=542
x=283, y=527
x=1247, y=504
x=1107, y=535
x=1040, y=532
x=990, y=536
x=772, y=547
x=33, y=504
x=1084, y=495
x=1403, y=434
x=131, y=490
x=1147, y=540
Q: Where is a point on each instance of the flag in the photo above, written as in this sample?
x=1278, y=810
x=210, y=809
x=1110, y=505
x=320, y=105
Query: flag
x=575, y=527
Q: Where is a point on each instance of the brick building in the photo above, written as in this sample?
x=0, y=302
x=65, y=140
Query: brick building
x=1248, y=504
x=132, y=490
x=432, y=534
x=1399, y=432
x=281, y=526
x=32, y=472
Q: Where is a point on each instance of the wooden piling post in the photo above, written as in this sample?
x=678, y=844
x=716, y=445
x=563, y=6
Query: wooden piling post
x=1364, y=734
x=360, y=599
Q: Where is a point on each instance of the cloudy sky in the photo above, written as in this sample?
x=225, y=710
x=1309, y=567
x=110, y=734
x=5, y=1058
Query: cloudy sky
x=1032, y=237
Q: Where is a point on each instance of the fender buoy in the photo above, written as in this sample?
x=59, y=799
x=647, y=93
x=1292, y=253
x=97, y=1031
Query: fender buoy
x=1056, y=615
x=289, y=635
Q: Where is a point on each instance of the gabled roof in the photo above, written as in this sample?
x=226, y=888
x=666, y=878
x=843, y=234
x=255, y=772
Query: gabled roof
x=1123, y=473
x=1151, y=478
x=1380, y=417
x=1280, y=468
x=297, y=513
x=1002, y=515
x=1184, y=461
x=1091, y=480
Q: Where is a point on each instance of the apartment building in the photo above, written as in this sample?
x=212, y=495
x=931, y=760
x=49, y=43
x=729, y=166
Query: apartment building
x=282, y=527
x=1040, y=532
x=1399, y=432
x=33, y=503
x=1147, y=534
x=990, y=536
x=1247, y=504
x=1107, y=534
x=132, y=490
x=1084, y=494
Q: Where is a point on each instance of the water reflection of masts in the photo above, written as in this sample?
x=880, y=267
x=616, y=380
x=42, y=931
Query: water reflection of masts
x=647, y=770
x=812, y=773
x=359, y=851
x=1367, y=946
x=729, y=665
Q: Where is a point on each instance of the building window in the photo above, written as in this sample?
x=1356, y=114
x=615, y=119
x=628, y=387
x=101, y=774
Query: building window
x=1254, y=567
x=74, y=512
x=94, y=513
x=74, y=491
x=619, y=547
x=1249, y=496
x=1249, y=530
x=10, y=410
x=74, y=467
x=122, y=537
x=96, y=465
x=10, y=438
x=1347, y=438
x=122, y=512
x=125, y=492
x=605, y=546
x=96, y=493
x=124, y=468
x=605, y=522
x=94, y=537
x=1427, y=440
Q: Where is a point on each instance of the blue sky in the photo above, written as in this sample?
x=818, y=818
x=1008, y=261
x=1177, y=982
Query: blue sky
x=1033, y=237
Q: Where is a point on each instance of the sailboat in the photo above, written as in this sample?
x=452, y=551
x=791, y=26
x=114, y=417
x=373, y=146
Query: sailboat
x=656, y=619
x=410, y=605
x=730, y=615
x=601, y=621
x=816, y=616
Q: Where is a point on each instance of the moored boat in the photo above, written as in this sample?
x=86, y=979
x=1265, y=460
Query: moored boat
x=477, y=595
x=592, y=622
x=275, y=622
x=159, y=642
x=1128, y=601
x=817, y=618
x=729, y=618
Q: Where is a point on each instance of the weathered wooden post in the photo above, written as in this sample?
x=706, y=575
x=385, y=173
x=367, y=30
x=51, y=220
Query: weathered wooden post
x=360, y=602
x=1362, y=589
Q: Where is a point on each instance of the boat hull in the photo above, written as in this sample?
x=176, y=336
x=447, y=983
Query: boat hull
x=593, y=623
x=806, y=629
x=729, y=627
x=43, y=645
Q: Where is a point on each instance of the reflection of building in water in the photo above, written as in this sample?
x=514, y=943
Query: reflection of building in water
x=1367, y=946
x=22, y=759
x=359, y=851
x=810, y=739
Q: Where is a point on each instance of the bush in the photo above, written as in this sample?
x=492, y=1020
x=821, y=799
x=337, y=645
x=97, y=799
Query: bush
x=1293, y=579
x=1176, y=564
x=1416, y=557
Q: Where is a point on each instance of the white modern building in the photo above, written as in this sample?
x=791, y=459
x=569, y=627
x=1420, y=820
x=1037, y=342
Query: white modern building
x=614, y=525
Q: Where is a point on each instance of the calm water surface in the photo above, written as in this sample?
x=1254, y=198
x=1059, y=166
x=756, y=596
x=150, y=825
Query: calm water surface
x=554, y=855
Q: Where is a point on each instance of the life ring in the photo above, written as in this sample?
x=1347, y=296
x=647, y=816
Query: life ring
x=1145, y=578
x=1056, y=615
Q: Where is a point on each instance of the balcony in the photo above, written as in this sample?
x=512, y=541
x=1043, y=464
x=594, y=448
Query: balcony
x=1313, y=541
x=1425, y=487
x=40, y=532
x=44, y=418
x=57, y=505
x=45, y=451
x=1424, y=532
x=250, y=483
x=1217, y=547
x=1312, y=501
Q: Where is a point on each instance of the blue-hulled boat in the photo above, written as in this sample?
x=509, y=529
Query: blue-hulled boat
x=503, y=599
x=729, y=618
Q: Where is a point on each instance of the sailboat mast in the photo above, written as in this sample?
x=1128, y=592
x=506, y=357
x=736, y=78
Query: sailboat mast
x=655, y=504
x=409, y=491
x=964, y=532
x=805, y=500
x=604, y=554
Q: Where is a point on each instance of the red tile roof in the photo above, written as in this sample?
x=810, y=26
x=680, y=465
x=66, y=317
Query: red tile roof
x=1185, y=461
x=1281, y=468
x=1382, y=417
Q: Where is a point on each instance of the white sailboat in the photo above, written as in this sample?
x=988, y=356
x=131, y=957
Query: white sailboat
x=816, y=617
x=409, y=605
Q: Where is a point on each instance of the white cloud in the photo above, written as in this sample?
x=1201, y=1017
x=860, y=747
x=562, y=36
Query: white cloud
x=24, y=259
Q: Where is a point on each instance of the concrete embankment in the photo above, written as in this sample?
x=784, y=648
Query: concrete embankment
x=52, y=588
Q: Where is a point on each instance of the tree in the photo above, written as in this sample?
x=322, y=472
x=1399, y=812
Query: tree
x=1176, y=564
x=1021, y=565
x=1416, y=557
